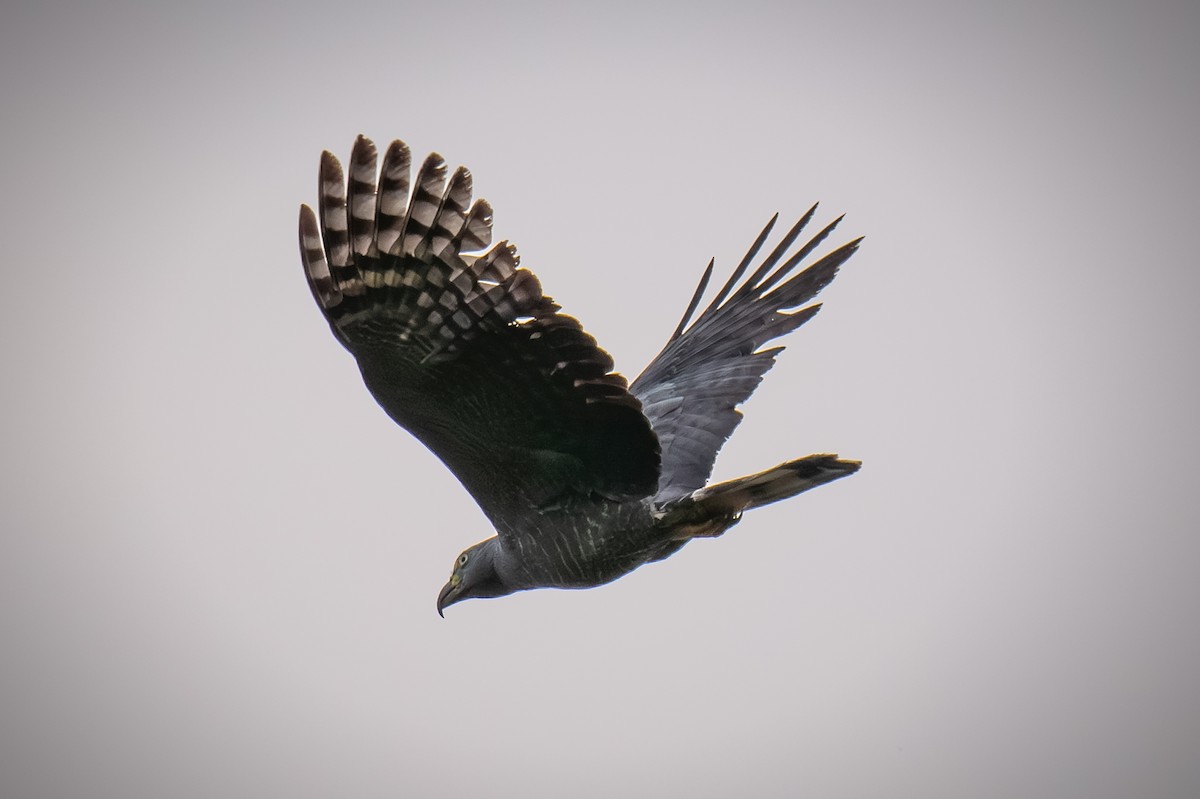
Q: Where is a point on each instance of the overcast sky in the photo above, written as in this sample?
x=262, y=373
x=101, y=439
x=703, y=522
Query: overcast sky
x=219, y=559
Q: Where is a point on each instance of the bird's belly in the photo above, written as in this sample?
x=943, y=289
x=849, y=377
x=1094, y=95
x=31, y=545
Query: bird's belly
x=586, y=553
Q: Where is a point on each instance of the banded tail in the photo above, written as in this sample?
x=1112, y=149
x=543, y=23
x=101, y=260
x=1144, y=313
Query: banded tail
x=711, y=510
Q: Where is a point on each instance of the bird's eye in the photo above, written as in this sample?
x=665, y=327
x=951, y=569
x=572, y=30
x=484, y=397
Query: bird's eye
x=462, y=559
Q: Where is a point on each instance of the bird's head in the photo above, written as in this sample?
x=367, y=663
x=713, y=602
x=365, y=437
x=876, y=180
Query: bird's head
x=474, y=576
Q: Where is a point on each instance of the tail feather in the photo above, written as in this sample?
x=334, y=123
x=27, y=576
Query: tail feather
x=712, y=509
x=783, y=481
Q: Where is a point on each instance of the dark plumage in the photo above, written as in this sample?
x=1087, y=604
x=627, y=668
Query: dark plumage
x=583, y=476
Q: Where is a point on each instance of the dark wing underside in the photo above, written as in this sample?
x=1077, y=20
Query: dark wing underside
x=691, y=390
x=464, y=350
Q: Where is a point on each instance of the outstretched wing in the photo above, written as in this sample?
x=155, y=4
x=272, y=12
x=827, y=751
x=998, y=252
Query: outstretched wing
x=691, y=390
x=464, y=350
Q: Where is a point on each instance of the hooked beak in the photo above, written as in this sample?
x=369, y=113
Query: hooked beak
x=444, y=598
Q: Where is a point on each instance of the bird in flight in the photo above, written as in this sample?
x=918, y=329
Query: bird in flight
x=584, y=476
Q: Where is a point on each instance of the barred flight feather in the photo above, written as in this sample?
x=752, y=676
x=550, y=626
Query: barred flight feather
x=394, y=264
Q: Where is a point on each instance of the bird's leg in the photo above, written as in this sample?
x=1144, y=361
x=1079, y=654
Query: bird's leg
x=706, y=526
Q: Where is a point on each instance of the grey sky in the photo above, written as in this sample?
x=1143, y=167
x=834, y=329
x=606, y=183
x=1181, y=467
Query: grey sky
x=219, y=559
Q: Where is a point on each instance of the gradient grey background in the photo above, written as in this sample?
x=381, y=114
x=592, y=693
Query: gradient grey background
x=219, y=559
